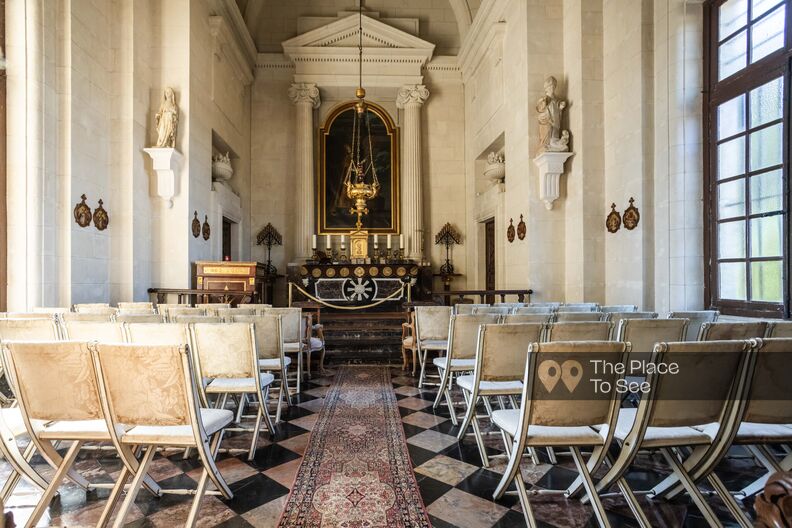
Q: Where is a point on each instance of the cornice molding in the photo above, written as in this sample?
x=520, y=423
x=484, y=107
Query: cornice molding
x=487, y=26
x=226, y=47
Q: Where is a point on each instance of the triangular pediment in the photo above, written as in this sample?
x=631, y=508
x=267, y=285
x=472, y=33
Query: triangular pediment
x=343, y=33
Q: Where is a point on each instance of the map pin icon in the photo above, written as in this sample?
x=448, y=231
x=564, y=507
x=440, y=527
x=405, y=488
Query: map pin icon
x=549, y=374
x=571, y=373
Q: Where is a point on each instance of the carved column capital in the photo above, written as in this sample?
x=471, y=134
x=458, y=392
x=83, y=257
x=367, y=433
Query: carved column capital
x=305, y=93
x=412, y=95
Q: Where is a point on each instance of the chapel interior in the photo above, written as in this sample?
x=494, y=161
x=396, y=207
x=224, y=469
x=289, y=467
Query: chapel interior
x=395, y=263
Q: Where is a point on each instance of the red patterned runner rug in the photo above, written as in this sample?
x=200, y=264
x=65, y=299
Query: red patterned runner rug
x=356, y=472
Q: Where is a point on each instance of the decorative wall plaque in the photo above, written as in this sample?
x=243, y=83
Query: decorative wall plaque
x=613, y=221
x=100, y=217
x=521, y=229
x=206, y=230
x=510, y=231
x=196, y=226
x=82, y=213
x=631, y=216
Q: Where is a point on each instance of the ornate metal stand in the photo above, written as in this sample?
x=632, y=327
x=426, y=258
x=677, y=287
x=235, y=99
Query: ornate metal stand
x=269, y=237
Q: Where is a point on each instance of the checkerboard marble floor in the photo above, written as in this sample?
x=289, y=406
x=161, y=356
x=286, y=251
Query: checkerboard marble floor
x=456, y=490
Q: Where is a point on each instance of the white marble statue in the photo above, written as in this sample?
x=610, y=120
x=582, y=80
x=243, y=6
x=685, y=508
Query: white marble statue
x=551, y=110
x=167, y=120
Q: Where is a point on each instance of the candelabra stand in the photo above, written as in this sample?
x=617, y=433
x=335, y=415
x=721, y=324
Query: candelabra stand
x=269, y=237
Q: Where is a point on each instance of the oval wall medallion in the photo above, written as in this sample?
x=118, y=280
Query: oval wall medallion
x=631, y=216
x=521, y=228
x=510, y=231
x=82, y=213
x=100, y=217
x=196, y=226
x=207, y=231
x=614, y=220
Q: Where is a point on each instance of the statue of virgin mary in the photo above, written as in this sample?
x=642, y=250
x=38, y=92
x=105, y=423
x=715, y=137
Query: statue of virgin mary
x=167, y=120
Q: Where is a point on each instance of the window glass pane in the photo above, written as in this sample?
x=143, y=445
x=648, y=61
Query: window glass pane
x=731, y=158
x=766, y=192
x=768, y=35
x=732, y=16
x=767, y=103
x=731, y=240
x=766, y=147
x=733, y=55
x=731, y=117
x=731, y=199
x=760, y=7
x=767, y=236
x=731, y=277
x=767, y=281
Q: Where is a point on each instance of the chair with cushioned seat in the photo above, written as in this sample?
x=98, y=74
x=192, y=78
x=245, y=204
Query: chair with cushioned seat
x=543, y=318
x=272, y=358
x=549, y=417
x=696, y=319
x=39, y=329
x=501, y=352
x=158, y=333
x=226, y=362
x=408, y=343
x=579, y=317
x=59, y=400
x=293, y=328
x=461, y=356
x=431, y=334
x=731, y=331
x=90, y=331
x=139, y=318
x=171, y=419
x=136, y=308
x=579, y=331
x=696, y=406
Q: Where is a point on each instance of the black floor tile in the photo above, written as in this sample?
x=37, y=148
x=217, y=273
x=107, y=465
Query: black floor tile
x=482, y=484
x=431, y=489
x=253, y=492
x=272, y=455
x=419, y=455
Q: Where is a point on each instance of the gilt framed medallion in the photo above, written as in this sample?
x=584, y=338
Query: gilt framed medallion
x=100, y=217
x=206, y=229
x=196, y=226
x=82, y=213
x=510, y=231
x=521, y=229
x=335, y=143
x=614, y=220
x=631, y=216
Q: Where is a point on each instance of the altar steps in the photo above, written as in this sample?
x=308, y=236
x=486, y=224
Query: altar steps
x=363, y=336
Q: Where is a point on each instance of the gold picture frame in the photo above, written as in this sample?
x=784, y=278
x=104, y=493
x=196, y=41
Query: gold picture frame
x=390, y=182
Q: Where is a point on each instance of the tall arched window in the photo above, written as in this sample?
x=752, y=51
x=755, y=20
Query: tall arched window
x=748, y=48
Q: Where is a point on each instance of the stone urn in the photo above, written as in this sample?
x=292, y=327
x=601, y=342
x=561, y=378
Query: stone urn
x=495, y=171
x=222, y=170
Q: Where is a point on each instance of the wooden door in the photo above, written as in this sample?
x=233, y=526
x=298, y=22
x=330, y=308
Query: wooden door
x=226, y=239
x=489, y=257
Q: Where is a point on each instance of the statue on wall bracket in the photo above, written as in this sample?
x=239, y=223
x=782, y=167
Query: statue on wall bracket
x=166, y=121
x=551, y=111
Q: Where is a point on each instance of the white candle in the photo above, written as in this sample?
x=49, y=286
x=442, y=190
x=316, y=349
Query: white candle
x=401, y=241
x=313, y=242
x=376, y=241
x=343, y=241
x=389, y=241
x=329, y=242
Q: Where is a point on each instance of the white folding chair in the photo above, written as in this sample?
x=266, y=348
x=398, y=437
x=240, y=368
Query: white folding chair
x=294, y=330
x=93, y=307
x=150, y=401
x=188, y=319
x=779, y=329
x=59, y=400
x=562, y=414
x=175, y=311
x=531, y=310
x=579, y=331
x=697, y=405
x=136, y=308
x=91, y=331
x=696, y=318
x=517, y=318
x=40, y=329
x=732, y=331
x=139, y=318
x=467, y=308
x=226, y=362
x=431, y=334
x=158, y=333
x=88, y=316
x=272, y=357
x=616, y=317
x=461, y=357
x=579, y=317
x=620, y=308
x=213, y=308
x=579, y=307
x=491, y=310
x=500, y=361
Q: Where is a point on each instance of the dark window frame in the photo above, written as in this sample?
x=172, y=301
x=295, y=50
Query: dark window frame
x=778, y=63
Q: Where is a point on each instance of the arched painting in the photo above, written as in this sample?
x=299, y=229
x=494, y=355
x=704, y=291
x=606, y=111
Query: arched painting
x=335, y=141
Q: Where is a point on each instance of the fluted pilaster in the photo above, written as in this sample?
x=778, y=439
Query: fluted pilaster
x=411, y=98
x=305, y=97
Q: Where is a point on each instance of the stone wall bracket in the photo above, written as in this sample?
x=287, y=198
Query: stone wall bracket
x=166, y=163
x=551, y=167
